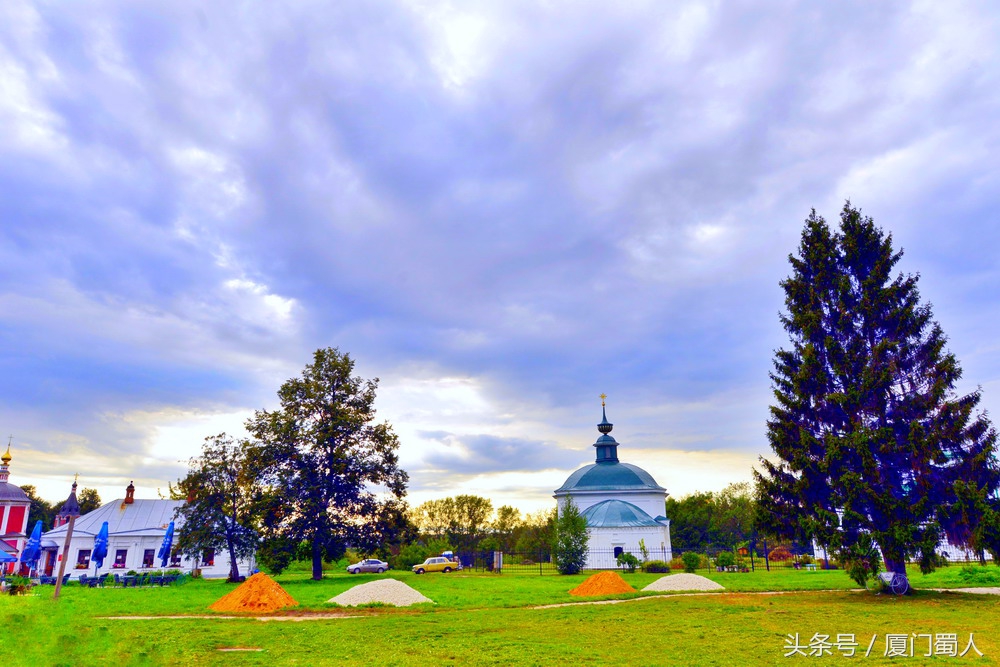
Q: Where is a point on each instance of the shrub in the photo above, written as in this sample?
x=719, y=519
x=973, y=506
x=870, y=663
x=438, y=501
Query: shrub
x=660, y=566
x=780, y=554
x=691, y=561
x=627, y=560
x=725, y=559
x=806, y=559
x=643, y=550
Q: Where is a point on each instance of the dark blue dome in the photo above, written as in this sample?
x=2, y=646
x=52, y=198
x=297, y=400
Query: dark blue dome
x=617, y=514
x=11, y=492
x=610, y=476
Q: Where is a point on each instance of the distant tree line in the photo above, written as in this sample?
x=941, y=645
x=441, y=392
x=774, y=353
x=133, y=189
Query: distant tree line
x=469, y=523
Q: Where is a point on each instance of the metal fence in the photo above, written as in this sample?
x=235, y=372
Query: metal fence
x=535, y=562
x=711, y=560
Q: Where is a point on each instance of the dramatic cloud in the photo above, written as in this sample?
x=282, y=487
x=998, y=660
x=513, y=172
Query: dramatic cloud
x=502, y=210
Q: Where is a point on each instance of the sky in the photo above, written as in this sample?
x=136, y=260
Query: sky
x=500, y=209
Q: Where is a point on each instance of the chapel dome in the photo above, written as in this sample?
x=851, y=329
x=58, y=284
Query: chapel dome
x=614, y=476
x=617, y=514
x=13, y=492
x=608, y=473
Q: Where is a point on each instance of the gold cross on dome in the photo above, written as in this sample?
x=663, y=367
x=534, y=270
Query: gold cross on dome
x=603, y=396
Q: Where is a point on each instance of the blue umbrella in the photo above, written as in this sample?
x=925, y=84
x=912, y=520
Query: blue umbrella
x=100, y=547
x=168, y=542
x=6, y=558
x=33, y=549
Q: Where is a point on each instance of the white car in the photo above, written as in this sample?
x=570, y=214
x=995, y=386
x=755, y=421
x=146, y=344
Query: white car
x=369, y=565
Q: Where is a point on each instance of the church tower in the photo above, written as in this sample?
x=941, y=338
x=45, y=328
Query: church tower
x=14, y=507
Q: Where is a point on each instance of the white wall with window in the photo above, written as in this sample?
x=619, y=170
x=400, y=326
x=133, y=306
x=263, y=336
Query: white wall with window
x=135, y=534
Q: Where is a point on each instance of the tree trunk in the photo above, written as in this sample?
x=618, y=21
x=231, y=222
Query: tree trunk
x=897, y=565
x=317, y=558
x=234, y=568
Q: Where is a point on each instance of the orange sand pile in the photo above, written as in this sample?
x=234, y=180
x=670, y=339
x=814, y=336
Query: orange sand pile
x=260, y=593
x=603, y=583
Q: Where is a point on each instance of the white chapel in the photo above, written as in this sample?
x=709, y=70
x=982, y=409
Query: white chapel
x=622, y=503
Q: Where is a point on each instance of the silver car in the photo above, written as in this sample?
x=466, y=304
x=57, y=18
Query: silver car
x=368, y=565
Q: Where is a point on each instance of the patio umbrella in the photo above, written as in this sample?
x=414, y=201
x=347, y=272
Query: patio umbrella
x=7, y=558
x=168, y=542
x=100, y=548
x=33, y=549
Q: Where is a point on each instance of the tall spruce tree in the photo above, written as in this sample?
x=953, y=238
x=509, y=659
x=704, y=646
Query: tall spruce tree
x=872, y=443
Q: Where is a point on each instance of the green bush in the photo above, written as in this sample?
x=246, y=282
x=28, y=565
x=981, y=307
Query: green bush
x=627, y=560
x=691, y=561
x=656, y=566
x=725, y=559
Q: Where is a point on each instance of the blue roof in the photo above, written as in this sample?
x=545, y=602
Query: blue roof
x=12, y=492
x=610, y=476
x=617, y=513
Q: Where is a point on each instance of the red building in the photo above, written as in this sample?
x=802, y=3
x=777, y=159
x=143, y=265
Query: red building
x=14, y=506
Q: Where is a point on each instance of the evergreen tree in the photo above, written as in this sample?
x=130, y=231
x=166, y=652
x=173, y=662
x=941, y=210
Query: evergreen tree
x=870, y=438
x=332, y=474
x=570, y=548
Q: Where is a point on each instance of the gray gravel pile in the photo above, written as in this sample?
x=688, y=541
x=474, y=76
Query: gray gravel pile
x=684, y=582
x=386, y=591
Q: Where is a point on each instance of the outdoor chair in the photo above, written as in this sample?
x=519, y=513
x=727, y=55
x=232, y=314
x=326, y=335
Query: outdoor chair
x=117, y=581
x=156, y=581
x=46, y=581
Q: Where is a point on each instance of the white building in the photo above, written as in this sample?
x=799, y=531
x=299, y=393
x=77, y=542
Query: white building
x=622, y=503
x=135, y=533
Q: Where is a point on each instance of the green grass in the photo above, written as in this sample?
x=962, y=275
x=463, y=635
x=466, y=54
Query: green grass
x=486, y=619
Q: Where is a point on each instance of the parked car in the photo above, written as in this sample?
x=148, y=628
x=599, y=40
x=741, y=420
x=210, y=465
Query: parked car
x=368, y=565
x=437, y=564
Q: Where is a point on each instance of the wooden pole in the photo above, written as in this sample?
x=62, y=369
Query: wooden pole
x=65, y=556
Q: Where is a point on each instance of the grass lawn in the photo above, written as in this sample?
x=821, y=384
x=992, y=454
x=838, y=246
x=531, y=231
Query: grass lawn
x=486, y=619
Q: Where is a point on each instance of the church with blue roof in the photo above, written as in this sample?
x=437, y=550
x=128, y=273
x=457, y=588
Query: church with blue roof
x=622, y=503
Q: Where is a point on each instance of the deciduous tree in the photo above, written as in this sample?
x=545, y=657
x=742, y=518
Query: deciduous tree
x=221, y=492
x=89, y=500
x=332, y=469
